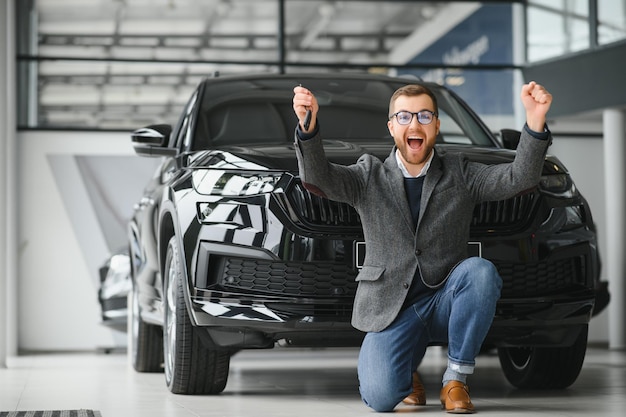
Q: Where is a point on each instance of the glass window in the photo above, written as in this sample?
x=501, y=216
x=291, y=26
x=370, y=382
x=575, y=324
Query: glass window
x=611, y=21
x=121, y=65
x=259, y=110
x=556, y=28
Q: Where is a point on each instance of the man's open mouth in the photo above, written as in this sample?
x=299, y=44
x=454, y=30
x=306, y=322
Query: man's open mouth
x=415, y=143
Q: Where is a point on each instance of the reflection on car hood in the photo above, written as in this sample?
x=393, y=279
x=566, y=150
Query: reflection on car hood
x=283, y=157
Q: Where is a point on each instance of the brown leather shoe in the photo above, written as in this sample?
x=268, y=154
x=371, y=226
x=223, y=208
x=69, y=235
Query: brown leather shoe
x=455, y=398
x=418, y=396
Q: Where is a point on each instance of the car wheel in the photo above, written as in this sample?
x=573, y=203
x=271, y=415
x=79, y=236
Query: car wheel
x=544, y=368
x=147, y=341
x=190, y=366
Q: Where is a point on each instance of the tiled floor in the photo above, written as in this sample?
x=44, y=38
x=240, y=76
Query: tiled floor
x=283, y=382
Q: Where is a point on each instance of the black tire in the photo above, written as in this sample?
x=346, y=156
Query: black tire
x=147, y=339
x=544, y=368
x=190, y=367
x=147, y=343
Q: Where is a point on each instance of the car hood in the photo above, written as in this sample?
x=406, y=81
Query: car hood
x=282, y=157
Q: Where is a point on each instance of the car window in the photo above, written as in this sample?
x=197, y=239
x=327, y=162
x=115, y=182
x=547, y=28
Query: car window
x=245, y=112
x=181, y=136
x=450, y=131
x=458, y=124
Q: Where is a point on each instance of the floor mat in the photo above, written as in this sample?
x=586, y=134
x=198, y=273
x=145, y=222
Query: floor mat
x=53, y=413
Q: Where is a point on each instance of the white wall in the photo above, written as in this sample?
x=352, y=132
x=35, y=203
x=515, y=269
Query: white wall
x=58, y=279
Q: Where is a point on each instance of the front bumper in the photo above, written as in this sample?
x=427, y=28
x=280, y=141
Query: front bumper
x=250, y=297
x=242, y=321
x=542, y=321
x=529, y=322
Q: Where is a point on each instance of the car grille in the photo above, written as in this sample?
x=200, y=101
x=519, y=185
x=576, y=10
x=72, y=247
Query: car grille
x=299, y=279
x=315, y=211
x=511, y=213
x=540, y=278
x=335, y=281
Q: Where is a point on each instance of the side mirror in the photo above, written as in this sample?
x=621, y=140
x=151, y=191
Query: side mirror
x=510, y=138
x=153, y=141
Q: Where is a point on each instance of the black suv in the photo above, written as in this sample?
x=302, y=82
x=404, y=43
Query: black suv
x=229, y=251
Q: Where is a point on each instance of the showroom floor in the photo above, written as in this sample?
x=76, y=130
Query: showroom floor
x=286, y=382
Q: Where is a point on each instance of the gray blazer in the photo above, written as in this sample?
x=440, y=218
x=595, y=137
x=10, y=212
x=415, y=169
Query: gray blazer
x=395, y=248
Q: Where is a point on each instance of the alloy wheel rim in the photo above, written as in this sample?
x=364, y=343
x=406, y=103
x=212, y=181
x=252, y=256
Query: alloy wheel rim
x=135, y=324
x=170, y=319
x=520, y=357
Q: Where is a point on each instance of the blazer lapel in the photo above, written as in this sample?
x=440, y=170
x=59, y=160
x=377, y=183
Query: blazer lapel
x=395, y=180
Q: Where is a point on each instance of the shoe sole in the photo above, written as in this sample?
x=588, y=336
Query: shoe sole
x=413, y=403
x=459, y=411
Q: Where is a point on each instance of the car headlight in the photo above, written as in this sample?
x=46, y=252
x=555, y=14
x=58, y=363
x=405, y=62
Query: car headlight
x=558, y=185
x=228, y=192
x=232, y=183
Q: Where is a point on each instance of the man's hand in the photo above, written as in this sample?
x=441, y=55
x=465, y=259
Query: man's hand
x=536, y=100
x=304, y=100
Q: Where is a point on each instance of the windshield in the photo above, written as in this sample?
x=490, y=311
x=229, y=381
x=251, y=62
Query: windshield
x=259, y=110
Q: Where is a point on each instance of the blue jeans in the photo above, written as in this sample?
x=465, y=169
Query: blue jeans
x=459, y=314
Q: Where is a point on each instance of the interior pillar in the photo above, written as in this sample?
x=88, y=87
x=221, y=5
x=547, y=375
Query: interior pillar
x=614, y=124
x=8, y=201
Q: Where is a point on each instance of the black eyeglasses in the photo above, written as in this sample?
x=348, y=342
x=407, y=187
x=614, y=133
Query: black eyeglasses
x=424, y=117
